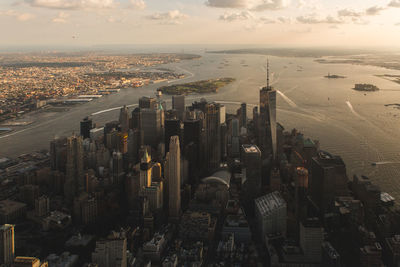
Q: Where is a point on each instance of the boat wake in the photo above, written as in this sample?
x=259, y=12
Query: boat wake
x=353, y=111
x=385, y=162
x=287, y=99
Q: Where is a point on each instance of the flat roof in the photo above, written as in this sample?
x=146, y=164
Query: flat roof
x=7, y=206
x=251, y=149
x=266, y=204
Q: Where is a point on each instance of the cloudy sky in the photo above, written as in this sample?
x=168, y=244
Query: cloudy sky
x=267, y=22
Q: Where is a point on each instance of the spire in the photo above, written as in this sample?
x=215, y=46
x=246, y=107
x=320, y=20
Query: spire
x=267, y=73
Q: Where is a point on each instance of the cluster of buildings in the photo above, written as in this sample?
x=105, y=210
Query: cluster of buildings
x=29, y=82
x=192, y=186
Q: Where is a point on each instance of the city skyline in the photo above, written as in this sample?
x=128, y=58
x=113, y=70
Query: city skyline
x=260, y=22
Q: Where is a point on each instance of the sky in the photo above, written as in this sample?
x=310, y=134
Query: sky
x=260, y=22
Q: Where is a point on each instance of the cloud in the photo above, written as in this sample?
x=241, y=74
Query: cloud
x=71, y=4
x=266, y=20
x=18, y=16
x=253, y=5
x=314, y=19
x=227, y=3
x=61, y=18
x=375, y=10
x=244, y=15
x=270, y=5
x=394, y=3
x=349, y=13
x=170, y=17
x=137, y=4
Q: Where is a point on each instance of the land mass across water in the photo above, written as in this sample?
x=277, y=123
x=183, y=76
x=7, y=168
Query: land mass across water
x=198, y=87
x=334, y=76
x=365, y=87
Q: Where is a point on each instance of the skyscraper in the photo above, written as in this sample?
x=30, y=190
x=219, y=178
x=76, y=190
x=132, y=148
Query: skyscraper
x=117, y=167
x=328, y=179
x=151, y=125
x=124, y=119
x=174, y=178
x=251, y=162
x=267, y=119
x=145, y=170
x=213, y=147
x=7, y=248
x=111, y=252
x=147, y=102
x=172, y=128
x=86, y=126
x=74, y=178
x=135, y=119
x=235, y=148
x=178, y=103
x=243, y=115
x=58, y=154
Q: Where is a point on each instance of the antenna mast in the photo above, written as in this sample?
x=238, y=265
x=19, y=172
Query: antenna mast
x=267, y=73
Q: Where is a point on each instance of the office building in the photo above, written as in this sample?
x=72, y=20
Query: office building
x=147, y=102
x=271, y=214
x=117, y=168
x=145, y=170
x=174, y=178
x=42, y=206
x=213, y=147
x=86, y=126
x=58, y=154
x=154, y=195
x=330, y=257
x=11, y=211
x=155, y=247
x=64, y=259
x=172, y=128
x=7, y=246
x=329, y=179
x=109, y=127
x=28, y=262
x=251, y=170
x=243, y=115
x=111, y=252
x=267, y=119
x=151, y=126
x=75, y=177
x=235, y=146
x=311, y=238
x=178, y=103
x=124, y=119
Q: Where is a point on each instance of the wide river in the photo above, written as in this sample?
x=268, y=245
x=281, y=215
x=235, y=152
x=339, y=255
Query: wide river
x=348, y=123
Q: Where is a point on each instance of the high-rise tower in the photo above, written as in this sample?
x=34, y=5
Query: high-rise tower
x=7, y=249
x=267, y=120
x=174, y=176
x=145, y=170
x=124, y=119
x=74, y=178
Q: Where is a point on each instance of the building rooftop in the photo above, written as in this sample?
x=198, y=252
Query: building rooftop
x=331, y=251
x=266, y=204
x=251, y=149
x=8, y=206
x=222, y=176
x=26, y=260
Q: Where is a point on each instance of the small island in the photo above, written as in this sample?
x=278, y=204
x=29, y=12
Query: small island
x=365, y=87
x=199, y=87
x=334, y=76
